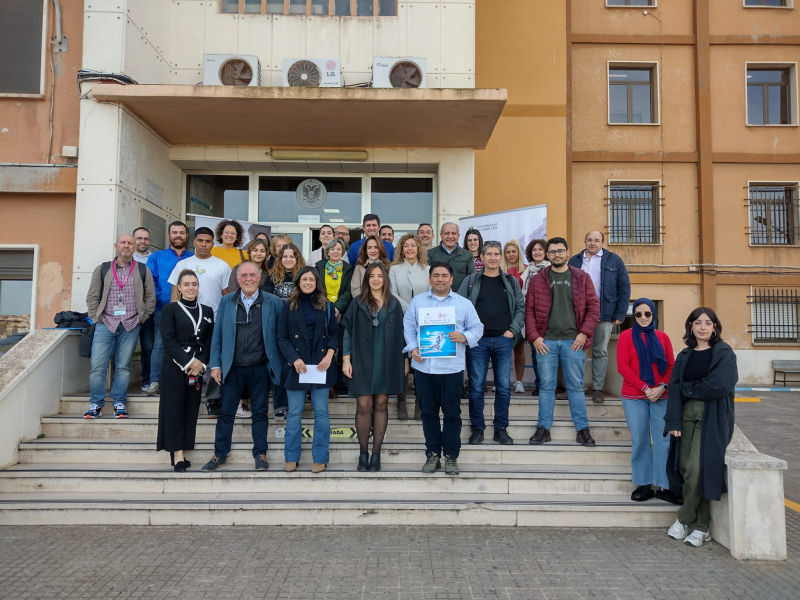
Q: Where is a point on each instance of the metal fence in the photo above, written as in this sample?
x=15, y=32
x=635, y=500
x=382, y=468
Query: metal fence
x=775, y=315
x=634, y=214
x=773, y=215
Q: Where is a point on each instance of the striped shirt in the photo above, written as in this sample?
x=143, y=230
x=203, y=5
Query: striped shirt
x=131, y=318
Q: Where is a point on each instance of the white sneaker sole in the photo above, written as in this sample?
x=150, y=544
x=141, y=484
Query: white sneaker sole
x=691, y=542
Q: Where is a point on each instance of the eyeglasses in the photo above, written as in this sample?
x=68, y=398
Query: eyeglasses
x=245, y=276
x=556, y=252
x=646, y=314
x=341, y=234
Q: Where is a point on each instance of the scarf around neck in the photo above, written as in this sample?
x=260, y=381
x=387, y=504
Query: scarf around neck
x=649, y=349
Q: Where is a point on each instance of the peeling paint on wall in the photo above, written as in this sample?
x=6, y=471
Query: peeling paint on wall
x=51, y=284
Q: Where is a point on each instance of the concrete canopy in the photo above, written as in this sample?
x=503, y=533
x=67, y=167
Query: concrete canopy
x=312, y=117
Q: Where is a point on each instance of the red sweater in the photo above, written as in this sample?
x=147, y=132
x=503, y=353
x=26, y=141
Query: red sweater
x=628, y=364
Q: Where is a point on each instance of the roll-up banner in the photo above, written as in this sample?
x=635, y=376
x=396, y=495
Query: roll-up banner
x=521, y=224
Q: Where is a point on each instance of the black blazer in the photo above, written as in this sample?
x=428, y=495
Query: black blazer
x=293, y=344
x=345, y=295
x=181, y=344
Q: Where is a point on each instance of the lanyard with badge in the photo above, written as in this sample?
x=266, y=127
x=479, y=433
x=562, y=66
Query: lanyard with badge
x=119, y=308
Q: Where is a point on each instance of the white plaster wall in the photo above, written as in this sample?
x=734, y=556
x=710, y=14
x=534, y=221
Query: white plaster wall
x=755, y=366
x=163, y=41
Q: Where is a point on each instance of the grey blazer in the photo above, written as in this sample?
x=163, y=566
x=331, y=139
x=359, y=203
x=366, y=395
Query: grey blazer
x=408, y=281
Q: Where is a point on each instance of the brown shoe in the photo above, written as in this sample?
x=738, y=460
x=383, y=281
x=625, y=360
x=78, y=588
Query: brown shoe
x=332, y=395
x=597, y=396
x=318, y=467
x=290, y=466
x=402, y=409
x=417, y=413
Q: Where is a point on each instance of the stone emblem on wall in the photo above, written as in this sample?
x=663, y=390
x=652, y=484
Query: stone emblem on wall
x=311, y=193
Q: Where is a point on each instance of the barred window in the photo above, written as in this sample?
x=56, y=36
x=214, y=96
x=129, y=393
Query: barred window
x=775, y=315
x=634, y=215
x=353, y=8
x=773, y=214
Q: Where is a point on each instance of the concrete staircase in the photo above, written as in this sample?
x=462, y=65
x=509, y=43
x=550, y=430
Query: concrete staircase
x=106, y=471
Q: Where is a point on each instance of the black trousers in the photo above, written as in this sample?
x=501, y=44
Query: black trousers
x=177, y=410
x=435, y=392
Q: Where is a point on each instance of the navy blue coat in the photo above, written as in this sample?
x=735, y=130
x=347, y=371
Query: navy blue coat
x=293, y=344
x=615, y=293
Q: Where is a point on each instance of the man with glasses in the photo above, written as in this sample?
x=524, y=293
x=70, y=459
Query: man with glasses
x=244, y=353
x=561, y=313
x=141, y=239
x=341, y=232
x=613, y=288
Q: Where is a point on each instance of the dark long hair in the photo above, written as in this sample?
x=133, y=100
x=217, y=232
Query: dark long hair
x=318, y=300
x=471, y=231
x=233, y=223
x=366, y=292
x=688, y=336
x=363, y=258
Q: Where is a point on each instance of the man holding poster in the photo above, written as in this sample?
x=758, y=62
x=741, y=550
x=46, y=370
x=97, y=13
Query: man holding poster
x=437, y=325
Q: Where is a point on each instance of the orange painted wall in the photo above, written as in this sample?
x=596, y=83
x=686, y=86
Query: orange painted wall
x=47, y=220
x=27, y=119
x=520, y=45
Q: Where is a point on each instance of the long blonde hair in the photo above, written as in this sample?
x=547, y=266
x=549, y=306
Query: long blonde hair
x=176, y=293
x=399, y=255
x=278, y=272
x=520, y=266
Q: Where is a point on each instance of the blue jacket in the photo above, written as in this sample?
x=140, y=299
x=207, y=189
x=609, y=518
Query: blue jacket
x=224, y=338
x=355, y=248
x=161, y=264
x=293, y=343
x=615, y=291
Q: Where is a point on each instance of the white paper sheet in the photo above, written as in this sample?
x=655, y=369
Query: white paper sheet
x=312, y=375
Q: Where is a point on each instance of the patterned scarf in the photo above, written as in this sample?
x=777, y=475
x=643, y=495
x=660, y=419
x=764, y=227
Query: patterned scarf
x=334, y=269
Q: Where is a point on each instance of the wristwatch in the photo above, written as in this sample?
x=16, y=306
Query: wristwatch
x=664, y=385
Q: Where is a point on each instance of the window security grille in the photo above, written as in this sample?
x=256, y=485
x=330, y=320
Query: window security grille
x=775, y=315
x=634, y=214
x=773, y=215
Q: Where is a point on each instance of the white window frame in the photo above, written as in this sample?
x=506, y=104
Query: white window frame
x=761, y=343
x=45, y=53
x=793, y=101
x=653, y=5
x=789, y=5
x=767, y=183
x=636, y=64
x=34, y=277
x=655, y=183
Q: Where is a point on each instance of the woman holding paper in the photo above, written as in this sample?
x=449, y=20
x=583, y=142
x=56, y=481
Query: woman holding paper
x=307, y=338
x=373, y=359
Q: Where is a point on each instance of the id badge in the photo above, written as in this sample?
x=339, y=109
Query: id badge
x=119, y=310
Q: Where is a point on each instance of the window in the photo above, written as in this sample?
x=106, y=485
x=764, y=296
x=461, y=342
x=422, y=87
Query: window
x=225, y=196
x=357, y=8
x=278, y=202
x=632, y=94
x=769, y=96
x=630, y=2
x=773, y=214
x=23, y=47
x=16, y=295
x=634, y=213
x=402, y=200
x=769, y=3
x=774, y=315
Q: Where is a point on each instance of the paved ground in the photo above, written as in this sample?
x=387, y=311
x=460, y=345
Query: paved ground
x=436, y=563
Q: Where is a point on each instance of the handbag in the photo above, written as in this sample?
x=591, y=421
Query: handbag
x=87, y=336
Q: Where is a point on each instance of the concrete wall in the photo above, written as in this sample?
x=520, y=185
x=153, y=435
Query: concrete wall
x=160, y=41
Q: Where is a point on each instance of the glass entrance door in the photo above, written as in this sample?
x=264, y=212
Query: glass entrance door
x=300, y=234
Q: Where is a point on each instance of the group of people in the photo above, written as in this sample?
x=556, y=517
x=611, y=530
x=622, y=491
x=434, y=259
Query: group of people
x=247, y=322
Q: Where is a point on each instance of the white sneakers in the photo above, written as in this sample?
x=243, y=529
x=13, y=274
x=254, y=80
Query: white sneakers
x=697, y=537
x=241, y=413
x=519, y=388
x=679, y=531
x=152, y=389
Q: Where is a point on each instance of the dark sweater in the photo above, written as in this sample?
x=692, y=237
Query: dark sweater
x=249, y=349
x=492, y=306
x=310, y=315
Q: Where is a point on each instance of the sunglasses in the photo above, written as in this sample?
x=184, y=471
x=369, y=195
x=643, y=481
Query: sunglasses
x=647, y=314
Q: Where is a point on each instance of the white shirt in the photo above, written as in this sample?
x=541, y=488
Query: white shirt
x=248, y=302
x=212, y=274
x=592, y=266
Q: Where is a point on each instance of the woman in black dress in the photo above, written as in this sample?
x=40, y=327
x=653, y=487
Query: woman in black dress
x=373, y=359
x=186, y=329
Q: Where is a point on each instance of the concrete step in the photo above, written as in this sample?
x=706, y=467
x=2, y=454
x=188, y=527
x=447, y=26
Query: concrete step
x=241, y=478
x=146, y=427
x=522, y=406
x=51, y=451
x=332, y=509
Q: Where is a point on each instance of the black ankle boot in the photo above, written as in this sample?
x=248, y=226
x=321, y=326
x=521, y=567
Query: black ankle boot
x=363, y=461
x=375, y=462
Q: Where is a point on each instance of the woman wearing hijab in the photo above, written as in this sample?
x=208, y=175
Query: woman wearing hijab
x=645, y=360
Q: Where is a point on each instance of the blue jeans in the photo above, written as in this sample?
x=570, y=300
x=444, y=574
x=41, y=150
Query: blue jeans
x=146, y=339
x=256, y=378
x=572, y=362
x=499, y=350
x=158, y=349
x=646, y=419
x=279, y=399
x=294, y=427
x=538, y=382
x=118, y=345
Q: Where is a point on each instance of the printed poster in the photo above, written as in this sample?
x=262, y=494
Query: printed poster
x=435, y=327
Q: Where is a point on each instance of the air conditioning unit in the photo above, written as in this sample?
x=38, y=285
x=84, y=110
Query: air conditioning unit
x=399, y=72
x=231, y=69
x=312, y=72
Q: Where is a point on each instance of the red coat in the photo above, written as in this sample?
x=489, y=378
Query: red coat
x=628, y=364
x=539, y=302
